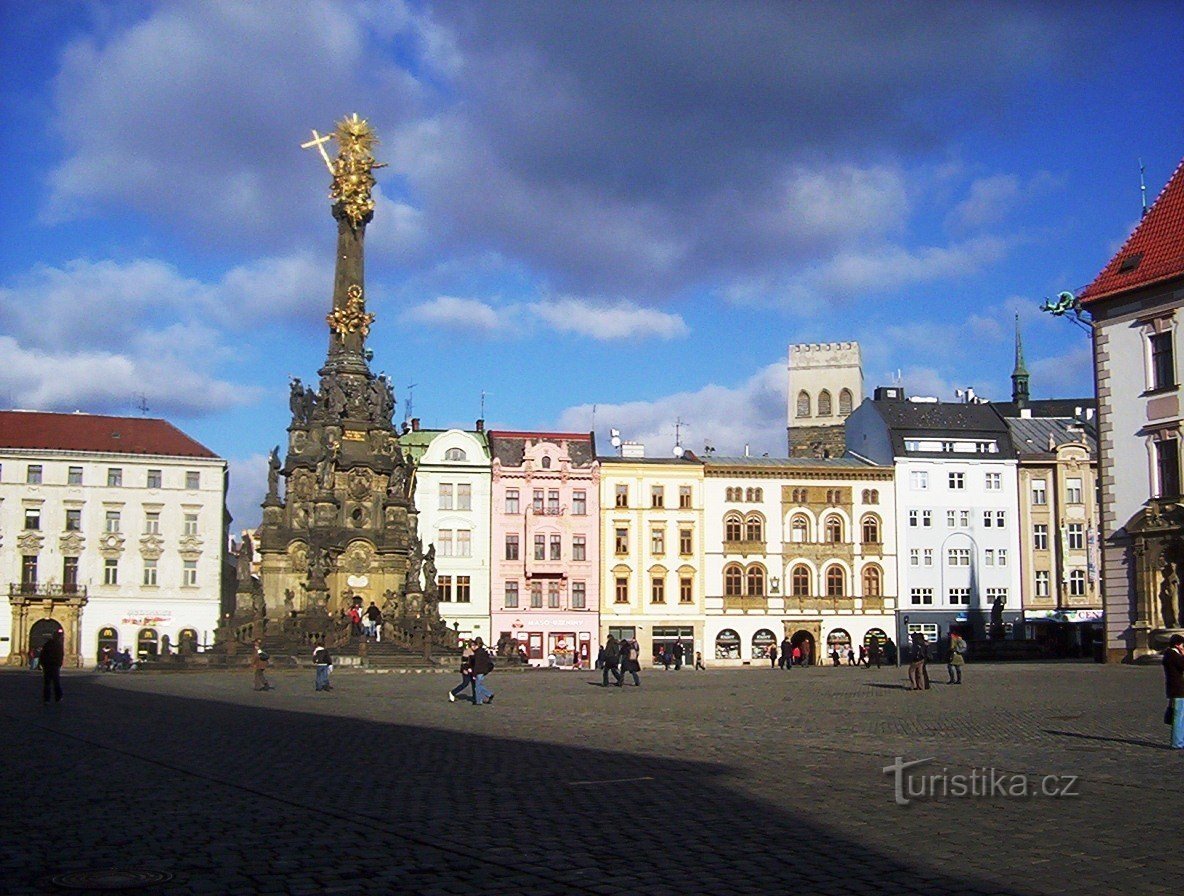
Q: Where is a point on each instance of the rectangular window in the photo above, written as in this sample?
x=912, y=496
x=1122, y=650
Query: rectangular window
x=914, y=557
x=464, y=543
x=111, y=523
x=553, y=502
x=110, y=571
x=464, y=496
x=152, y=522
x=114, y=477
x=657, y=542
x=73, y=520
x=189, y=573
x=1000, y=519
x=553, y=595
x=686, y=590
x=445, y=496
x=444, y=584
x=150, y=572
x=1163, y=370
x=1039, y=491
x=1073, y=491
x=444, y=542
x=579, y=502
x=192, y=480
x=511, y=596
x=536, y=595
x=511, y=547
x=989, y=557
x=29, y=571
x=70, y=574
x=621, y=589
x=189, y=524
x=33, y=474
x=994, y=482
x=1077, y=583
x=658, y=496
x=32, y=517
x=556, y=547
x=657, y=590
x=579, y=547
x=1076, y=533
x=921, y=596
x=958, y=557
x=684, y=497
x=919, y=480
x=536, y=501
x=154, y=478
x=994, y=593
x=1042, y=580
x=622, y=540
x=959, y=596
x=1040, y=537
x=926, y=519
x=1002, y=552
x=964, y=519
x=622, y=496
x=951, y=518
x=686, y=544
x=957, y=480
x=914, y=518
x=540, y=547
x=579, y=595
x=74, y=476
x=512, y=501
x=928, y=554
x=1167, y=468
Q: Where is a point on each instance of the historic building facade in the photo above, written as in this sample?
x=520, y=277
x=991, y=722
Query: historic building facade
x=452, y=495
x=1135, y=302
x=825, y=385
x=957, y=511
x=797, y=548
x=652, y=537
x=545, y=544
x=112, y=529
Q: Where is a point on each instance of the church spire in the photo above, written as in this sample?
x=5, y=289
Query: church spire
x=1019, y=375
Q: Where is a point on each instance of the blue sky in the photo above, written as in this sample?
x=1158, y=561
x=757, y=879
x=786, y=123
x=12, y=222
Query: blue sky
x=632, y=206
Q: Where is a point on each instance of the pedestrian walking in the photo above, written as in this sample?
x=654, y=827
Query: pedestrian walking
x=786, y=649
x=323, y=663
x=851, y=656
x=482, y=666
x=699, y=661
x=956, y=660
x=259, y=663
x=917, y=676
x=373, y=621
x=52, y=655
x=667, y=658
x=875, y=653
x=772, y=656
x=834, y=657
x=466, y=672
x=1173, y=673
x=630, y=662
x=680, y=653
x=612, y=660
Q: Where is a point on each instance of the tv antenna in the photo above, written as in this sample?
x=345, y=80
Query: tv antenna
x=1143, y=186
x=679, y=423
x=142, y=404
x=483, y=394
x=410, y=401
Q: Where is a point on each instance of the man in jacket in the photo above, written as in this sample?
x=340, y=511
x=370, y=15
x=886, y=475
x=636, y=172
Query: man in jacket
x=482, y=666
x=53, y=654
x=917, y=677
x=612, y=660
x=1173, y=673
x=630, y=661
x=324, y=664
x=259, y=665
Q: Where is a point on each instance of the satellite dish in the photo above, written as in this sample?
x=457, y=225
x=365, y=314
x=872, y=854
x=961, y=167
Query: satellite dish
x=678, y=450
x=616, y=437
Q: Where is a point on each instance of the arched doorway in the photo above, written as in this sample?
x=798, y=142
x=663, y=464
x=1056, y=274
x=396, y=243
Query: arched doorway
x=108, y=644
x=42, y=631
x=805, y=640
x=875, y=634
x=727, y=645
x=761, y=642
x=838, y=643
x=146, y=644
x=187, y=641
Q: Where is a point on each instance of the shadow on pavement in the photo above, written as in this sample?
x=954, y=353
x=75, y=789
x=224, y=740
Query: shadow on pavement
x=1115, y=740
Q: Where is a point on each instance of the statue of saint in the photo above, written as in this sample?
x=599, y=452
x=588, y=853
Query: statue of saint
x=414, y=563
x=273, y=473
x=328, y=465
x=429, y=569
x=289, y=602
x=398, y=486
x=296, y=402
x=246, y=554
x=1169, y=592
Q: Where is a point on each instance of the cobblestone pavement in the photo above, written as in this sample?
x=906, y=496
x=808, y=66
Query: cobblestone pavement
x=720, y=782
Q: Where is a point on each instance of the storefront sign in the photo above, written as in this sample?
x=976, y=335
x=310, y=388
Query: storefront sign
x=152, y=618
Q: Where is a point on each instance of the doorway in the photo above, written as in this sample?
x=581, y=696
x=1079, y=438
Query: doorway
x=108, y=644
x=808, y=644
x=42, y=631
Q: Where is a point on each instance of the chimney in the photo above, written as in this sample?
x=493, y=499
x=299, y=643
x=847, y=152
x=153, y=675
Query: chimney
x=480, y=425
x=415, y=424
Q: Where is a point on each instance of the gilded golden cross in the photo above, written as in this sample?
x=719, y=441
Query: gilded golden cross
x=319, y=142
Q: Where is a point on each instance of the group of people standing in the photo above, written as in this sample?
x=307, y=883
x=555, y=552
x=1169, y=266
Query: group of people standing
x=789, y=655
x=921, y=654
x=620, y=658
x=475, y=664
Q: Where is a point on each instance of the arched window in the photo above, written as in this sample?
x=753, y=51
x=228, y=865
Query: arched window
x=750, y=495
x=873, y=581
x=844, y=402
x=834, y=582
x=803, y=404
x=800, y=581
x=873, y=496
x=546, y=462
x=799, y=528
x=834, y=530
x=824, y=404
x=733, y=527
x=459, y=454
x=727, y=645
x=730, y=494
x=733, y=580
x=871, y=529
x=755, y=577
x=760, y=494
x=754, y=527
x=799, y=496
x=864, y=495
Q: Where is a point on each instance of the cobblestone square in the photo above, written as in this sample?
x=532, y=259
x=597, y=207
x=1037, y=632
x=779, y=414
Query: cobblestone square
x=717, y=782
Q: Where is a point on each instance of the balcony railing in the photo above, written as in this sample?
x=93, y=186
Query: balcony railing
x=36, y=589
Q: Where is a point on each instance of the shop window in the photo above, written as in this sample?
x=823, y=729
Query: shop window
x=727, y=645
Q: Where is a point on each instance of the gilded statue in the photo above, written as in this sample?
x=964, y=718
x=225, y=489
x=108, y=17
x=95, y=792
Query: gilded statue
x=352, y=170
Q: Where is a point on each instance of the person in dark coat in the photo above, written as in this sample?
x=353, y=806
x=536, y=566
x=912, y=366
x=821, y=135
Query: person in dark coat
x=680, y=653
x=784, y=659
x=482, y=666
x=53, y=654
x=612, y=660
x=630, y=661
x=1173, y=673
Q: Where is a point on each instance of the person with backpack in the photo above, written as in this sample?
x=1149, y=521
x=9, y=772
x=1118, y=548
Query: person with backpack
x=324, y=665
x=630, y=661
x=612, y=660
x=482, y=666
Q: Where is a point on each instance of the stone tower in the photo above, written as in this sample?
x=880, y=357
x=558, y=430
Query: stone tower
x=825, y=386
x=345, y=528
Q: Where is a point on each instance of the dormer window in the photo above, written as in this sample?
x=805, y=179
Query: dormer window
x=455, y=454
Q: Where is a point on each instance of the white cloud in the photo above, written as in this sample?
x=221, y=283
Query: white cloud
x=620, y=321
x=457, y=314
x=247, y=489
x=989, y=202
x=1067, y=375
x=853, y=273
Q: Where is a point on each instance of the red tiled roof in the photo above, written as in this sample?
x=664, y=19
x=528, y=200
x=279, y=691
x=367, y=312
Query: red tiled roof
x=1153, y=253
x=89, y=432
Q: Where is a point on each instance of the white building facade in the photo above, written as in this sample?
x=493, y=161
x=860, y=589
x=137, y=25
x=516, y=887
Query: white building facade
x=113, y=529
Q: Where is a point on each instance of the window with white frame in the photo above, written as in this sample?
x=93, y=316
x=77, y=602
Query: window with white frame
x=960, y=596
x=464, y=496
x=73, y=519
x=152, y=522
x=74, y=476
x=994, y=594
x=957, y=556
x=951, y=518
x=150, y=573
x=579, y=503
x=111, y=571
x=622, y=540
x=540, y=546
x=1002, y=552
x=553, y=595
x=1040, y=537
x=111, y=521
x=914, y=518
x=464, y=543
x=536, y=595
x=444, y=542
x=579, y=595
x=927, y=555
x=994, y=482
x=989, y=557
x=919, y=480
x=921, y=596
x=192, y=480
x=658, y=541
x=1077, y=583
x=914, y=557
x=512, y=546
x=957, y=480
x=1073, y=491
x=1075, y=533
x=579, y=547
x=33, y=474
x=511, y=596
x=32, y=518
x=553, y=501
x=556, y=547
x=512, y=501
x=926, y=519
x=445, y=502
x=114, y=477
x=1042, y=582
x=1039, y=491
x=189, y=524
x=154, y=479
x=964, y=519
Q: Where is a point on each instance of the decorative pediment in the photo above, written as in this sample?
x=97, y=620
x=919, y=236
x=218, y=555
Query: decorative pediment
x=30, y=542
x=190, y=547
x=71, y=544
x=1156, y=517
x=111, y=544
x=151, y=546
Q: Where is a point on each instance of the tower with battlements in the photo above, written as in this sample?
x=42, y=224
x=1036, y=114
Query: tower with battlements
x=825, y=386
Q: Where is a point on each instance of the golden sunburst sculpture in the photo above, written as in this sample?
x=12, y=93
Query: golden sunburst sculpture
x=353, y=177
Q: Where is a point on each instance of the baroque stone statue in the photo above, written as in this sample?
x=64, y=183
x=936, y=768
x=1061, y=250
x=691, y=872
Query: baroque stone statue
x=273, y=473
x=1169, y=592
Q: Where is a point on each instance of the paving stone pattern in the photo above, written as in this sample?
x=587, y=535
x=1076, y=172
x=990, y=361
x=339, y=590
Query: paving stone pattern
x=720, y=782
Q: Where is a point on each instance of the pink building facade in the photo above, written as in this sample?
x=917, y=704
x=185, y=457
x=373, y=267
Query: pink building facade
x=545, y=546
